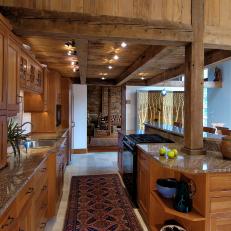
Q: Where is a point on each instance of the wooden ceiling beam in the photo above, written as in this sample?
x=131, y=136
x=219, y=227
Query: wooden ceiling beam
x=211, y=58
x=28, y=22
x=82, y=53
x=151, y=55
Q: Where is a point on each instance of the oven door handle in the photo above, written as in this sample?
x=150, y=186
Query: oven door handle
x=128, y=147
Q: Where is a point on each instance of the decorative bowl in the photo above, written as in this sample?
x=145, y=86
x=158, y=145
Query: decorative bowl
x=225, y=147
x=166, y=187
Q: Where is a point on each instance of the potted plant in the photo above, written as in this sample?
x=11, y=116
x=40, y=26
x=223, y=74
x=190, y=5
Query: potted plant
x=16, y=135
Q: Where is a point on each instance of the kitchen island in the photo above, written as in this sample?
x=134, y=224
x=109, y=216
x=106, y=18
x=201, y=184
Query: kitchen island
x=211, y=176
x=211, y=141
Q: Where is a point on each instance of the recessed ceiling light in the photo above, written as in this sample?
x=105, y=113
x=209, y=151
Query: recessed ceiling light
x=73, y=63
x=123, y=44
x=74, y=69
x=110, y=67
x=142, y=78
x=103, y=78
x=69, y=53
x=116, y=57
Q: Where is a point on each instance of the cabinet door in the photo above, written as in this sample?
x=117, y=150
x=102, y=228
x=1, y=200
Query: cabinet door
x=3, y=140
x=23, y=71
x=3, y=82
x=143, y=184
x=13, y=75
x=24, y=220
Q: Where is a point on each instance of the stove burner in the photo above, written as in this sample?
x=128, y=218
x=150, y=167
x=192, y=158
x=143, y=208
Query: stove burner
x=149, y=138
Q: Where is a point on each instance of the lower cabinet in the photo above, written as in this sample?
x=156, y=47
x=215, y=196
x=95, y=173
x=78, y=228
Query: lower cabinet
x=143, y=188
x=3, y=140
x=28, y=211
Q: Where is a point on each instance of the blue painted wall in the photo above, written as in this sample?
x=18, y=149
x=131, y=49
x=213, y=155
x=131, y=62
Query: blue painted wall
x=219, y=99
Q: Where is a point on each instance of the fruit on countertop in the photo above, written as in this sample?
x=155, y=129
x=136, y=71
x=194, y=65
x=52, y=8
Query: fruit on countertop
x=175, y=152
x=162, y=151
x=171, y=154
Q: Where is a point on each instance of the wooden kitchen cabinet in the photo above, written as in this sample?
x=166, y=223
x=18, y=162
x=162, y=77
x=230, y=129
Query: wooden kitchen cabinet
x=143, y=188
x=3, y=140
x=13, y=77
x=3, y=75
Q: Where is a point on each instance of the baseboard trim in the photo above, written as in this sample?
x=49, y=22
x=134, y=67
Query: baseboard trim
x=103, y=149
x=80, y=151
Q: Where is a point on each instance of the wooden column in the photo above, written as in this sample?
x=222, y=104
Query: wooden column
x=194, y=69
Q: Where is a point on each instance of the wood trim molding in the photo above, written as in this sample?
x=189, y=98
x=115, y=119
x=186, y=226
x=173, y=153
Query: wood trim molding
x=79, y=151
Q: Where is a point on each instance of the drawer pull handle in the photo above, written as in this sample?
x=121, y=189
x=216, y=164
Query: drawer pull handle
x=42, y=225
x=10, y=220
x=30, y=190
x=43, y=169
x=44, y=188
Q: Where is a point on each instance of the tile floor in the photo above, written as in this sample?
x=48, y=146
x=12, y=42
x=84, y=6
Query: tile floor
x=86, y=164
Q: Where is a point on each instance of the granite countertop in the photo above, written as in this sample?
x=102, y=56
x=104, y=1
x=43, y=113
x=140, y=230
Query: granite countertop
x=129, y=132
x=180, y=131
x=212, y=162
x=16, y=175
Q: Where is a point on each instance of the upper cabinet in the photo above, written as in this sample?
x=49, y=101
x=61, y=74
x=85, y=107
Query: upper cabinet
x=13, y=99
x=31, y=74
x=3, y=69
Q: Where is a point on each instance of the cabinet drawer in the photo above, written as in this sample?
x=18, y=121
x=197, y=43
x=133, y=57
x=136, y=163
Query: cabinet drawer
x=220, y=204
x=220, y=183
x=8, y=220
x=25, y=195
x=41, y=206
x=40, y=178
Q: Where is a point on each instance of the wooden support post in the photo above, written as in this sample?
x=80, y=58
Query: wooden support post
x=194, y=69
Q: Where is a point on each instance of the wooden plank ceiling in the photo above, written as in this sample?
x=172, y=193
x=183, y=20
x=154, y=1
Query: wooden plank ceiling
x=100, y=55
x=152, y=54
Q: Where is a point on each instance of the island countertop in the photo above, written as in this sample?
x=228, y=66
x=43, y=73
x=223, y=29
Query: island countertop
x=209, y=163
x=179, y=131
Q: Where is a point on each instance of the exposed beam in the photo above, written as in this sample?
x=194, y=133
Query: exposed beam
x=217, y=38
x=69, y=26
x=169, y=74
x=82, y=52
x=207, y=84
x=211, y=58
x=147, y=59
x=99, y=82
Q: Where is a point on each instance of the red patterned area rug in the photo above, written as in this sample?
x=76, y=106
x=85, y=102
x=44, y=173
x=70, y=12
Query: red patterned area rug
x=99, y=203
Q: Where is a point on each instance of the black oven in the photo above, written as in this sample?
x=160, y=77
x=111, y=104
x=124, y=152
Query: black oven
x=129, y=163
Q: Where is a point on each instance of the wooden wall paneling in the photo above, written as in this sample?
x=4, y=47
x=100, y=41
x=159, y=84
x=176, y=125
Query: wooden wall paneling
x=109, y=110
x=194, y=66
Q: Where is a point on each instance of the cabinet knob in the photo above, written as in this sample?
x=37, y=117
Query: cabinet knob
x=30, y=190
x=10, y=220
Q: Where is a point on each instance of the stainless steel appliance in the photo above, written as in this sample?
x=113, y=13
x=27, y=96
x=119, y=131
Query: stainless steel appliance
x=129, y=158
